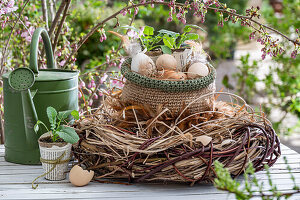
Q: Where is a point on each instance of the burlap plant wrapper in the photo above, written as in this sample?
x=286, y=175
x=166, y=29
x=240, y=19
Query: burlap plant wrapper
x=173, y=95
x=50, y=153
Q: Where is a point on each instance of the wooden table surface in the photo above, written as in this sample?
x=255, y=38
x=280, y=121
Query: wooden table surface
x=15, y=183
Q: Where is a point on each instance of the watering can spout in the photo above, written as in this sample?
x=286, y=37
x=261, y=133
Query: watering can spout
x=22, y=79
x=30, y=118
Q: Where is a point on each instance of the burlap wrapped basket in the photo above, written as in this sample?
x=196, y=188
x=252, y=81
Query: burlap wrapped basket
x=174, y=95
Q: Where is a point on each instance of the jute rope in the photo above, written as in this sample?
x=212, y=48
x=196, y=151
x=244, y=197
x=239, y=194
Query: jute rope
x=54, y=163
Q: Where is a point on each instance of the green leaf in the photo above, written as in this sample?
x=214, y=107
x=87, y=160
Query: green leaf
x=187, y=29
x=75, y=114
x=167, y=41
x=68, y=134
x=51, y=113
x=148, y=30
x=189, y=26
x=226, y=83
x=170, y=33
x=64, y=114
x=191, y=36
x=126, y=27
x=165, y=49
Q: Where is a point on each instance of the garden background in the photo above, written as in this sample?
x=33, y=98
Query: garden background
x=270, y=84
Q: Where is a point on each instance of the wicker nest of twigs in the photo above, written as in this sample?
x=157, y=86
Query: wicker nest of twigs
x=120, y=140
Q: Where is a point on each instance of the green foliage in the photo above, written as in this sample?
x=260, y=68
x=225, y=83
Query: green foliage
x=251, y=188
x=57, y=130
x=170, y=40
x=247, y=78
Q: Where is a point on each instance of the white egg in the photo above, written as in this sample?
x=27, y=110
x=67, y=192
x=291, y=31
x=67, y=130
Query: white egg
x=142, y=64
x=166, y=61
x=80, y=177
x=197, y=70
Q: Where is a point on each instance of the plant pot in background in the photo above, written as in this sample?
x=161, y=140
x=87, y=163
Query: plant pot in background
x=54, y=157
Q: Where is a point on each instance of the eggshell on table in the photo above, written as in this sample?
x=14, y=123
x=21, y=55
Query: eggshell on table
x=197, y=70
x=167, y=62
x=80, y=177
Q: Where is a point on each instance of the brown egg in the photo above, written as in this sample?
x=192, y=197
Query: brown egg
x=170, y=74
x=167, y=62
x=80, y=177
x=197, y=70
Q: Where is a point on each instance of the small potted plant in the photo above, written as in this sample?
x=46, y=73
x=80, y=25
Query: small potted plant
x=55, y=145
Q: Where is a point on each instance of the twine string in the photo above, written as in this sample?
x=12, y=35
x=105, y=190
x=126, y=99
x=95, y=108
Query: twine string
x=54, y=163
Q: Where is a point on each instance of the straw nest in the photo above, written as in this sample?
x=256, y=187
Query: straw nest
x=121, y=140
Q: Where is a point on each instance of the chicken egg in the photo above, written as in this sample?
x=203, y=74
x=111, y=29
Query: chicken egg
x=167, y=62
x=197, y=70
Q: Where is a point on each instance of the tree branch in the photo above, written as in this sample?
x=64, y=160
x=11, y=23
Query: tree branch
x=45, y=13
x=254, y=21
x=67, y=6
x=177, y=5
x=52, y=10
x=55, y=21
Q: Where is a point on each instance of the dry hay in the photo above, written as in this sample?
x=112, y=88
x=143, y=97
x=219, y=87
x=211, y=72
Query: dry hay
x=122, y=140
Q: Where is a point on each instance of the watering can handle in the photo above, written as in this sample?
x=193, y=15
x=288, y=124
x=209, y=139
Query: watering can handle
x=33, y=62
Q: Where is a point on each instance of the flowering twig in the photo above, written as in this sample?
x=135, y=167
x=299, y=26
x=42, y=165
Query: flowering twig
x=183, y=9
x=9, y=37
x=256, y=22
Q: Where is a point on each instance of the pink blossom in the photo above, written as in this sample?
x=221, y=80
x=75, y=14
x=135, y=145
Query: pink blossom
x=141, y=31
x=95, y=96
x=89, y=85
x=62, y=63
x=93, y=83
x=91, y=102
x=294, y=54
x=131, y=33
x=58, y=53
x=116, y=83
x=82, y=84
x=79, y=95
x=103, y=78
x=27, y=34
x=136, y=10
x=123, y=12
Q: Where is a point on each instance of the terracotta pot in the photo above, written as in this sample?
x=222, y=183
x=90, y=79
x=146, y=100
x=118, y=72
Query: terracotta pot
x=50, y=152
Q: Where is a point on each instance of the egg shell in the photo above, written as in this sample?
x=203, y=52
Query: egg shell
x=80, y=177
x=197, y=70
x=142, y=64
x=170, y=74
x=167, y=62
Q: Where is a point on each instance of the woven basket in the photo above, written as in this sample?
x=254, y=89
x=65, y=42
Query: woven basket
x=173, y=95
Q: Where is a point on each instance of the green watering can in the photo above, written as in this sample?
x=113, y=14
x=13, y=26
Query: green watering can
x=27, y=94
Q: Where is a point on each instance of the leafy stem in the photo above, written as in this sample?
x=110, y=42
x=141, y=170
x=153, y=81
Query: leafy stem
x=252, y=188
x=58, y=130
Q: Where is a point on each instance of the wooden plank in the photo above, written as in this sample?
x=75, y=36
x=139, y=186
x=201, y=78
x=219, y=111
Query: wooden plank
x=16, y=184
